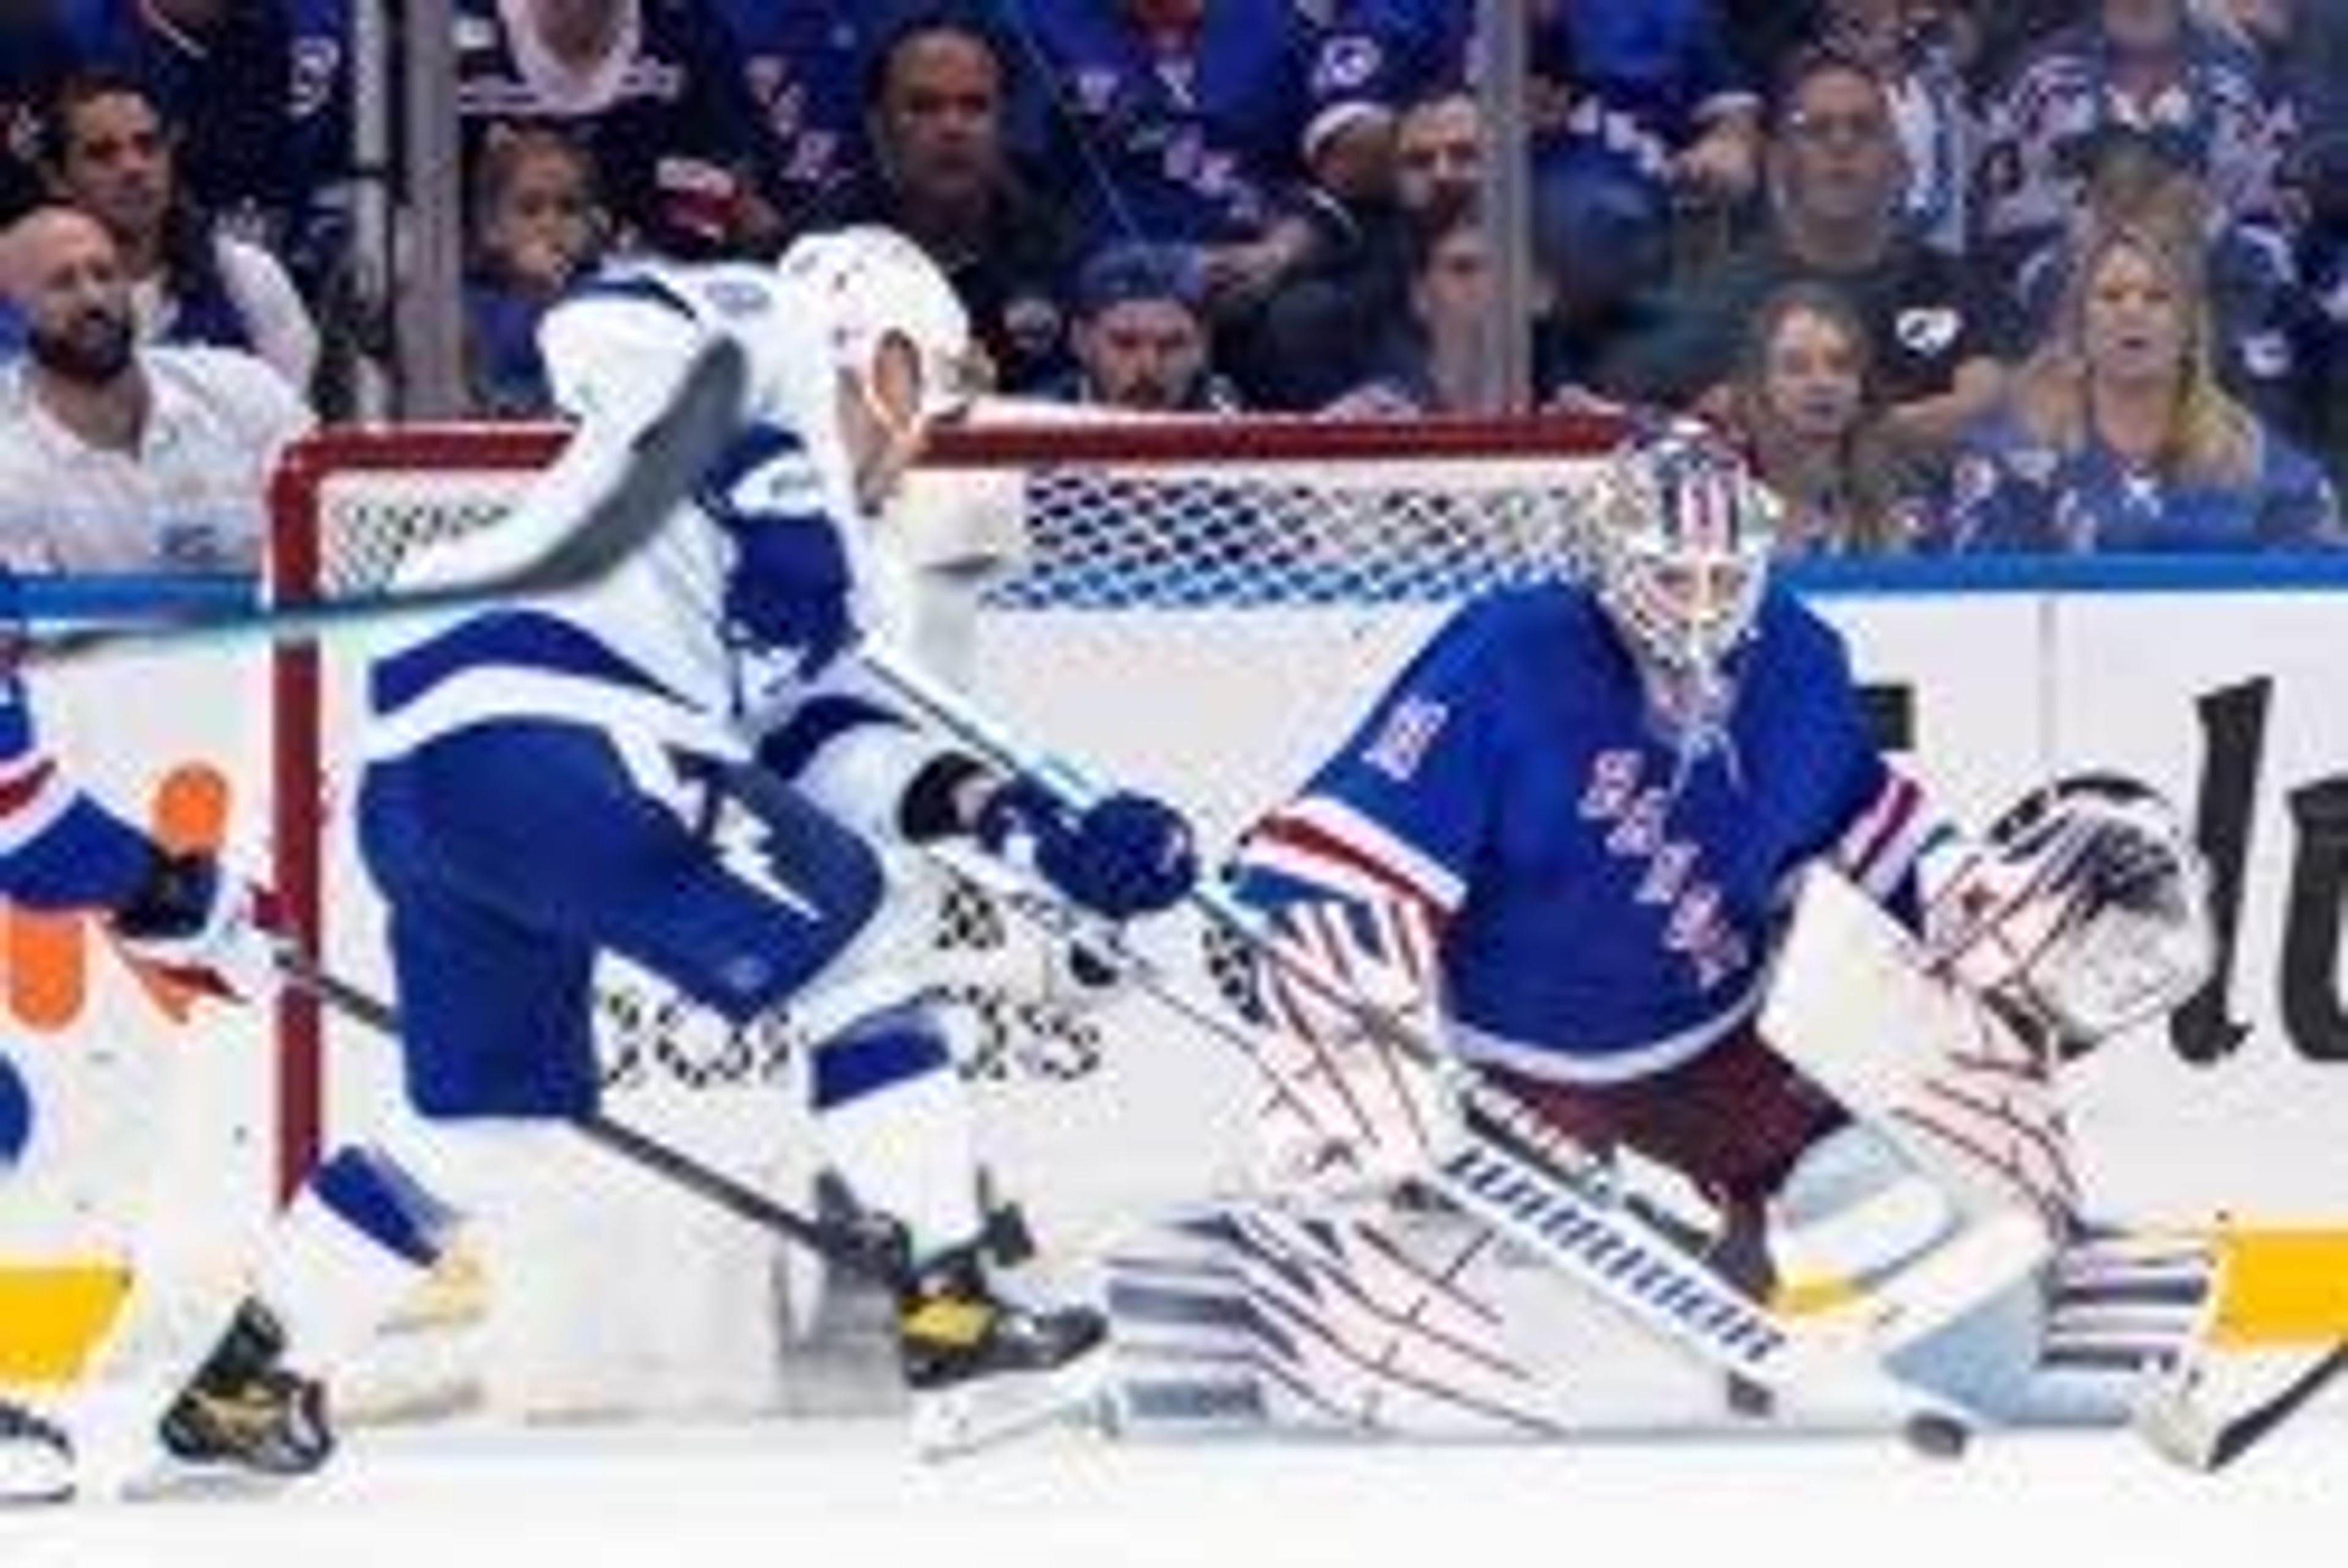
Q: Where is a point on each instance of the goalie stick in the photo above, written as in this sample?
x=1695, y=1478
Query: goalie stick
x=658, y=470
x=1554, y=1197
x=867, y=1250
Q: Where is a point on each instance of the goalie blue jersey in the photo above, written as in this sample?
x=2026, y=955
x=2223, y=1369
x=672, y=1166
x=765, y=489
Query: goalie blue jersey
x=1604, y=903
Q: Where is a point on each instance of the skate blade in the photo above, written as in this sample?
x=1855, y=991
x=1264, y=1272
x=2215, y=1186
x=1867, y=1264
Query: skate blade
x=170, y=1480
x=989, y=1412
x=35, y=1474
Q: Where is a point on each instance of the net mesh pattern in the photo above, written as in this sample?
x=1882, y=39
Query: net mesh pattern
x=1104, y=538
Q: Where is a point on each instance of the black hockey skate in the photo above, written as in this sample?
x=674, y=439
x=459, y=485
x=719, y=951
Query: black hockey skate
x=982, y=1369
x=245, y=1409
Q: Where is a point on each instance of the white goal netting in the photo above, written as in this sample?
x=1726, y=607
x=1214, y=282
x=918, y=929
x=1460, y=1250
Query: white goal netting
x=1198, y=608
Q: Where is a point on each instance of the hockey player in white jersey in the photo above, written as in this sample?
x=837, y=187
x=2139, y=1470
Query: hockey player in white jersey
x=182, y=914
x=553, y=779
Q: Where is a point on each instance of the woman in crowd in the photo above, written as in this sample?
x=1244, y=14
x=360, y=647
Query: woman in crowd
x=1807, y=402
x=2116, y=435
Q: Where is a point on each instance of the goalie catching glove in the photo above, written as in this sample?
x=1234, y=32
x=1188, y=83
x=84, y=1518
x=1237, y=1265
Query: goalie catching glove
x=2086, y=908
x=203, y=926
x=1122, y=856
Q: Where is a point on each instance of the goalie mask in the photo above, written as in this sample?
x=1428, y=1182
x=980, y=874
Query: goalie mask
x=2087, y=907
x=1680, y=538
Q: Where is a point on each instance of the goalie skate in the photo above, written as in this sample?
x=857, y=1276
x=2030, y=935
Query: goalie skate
x=983, y=1370
x=36, y=1457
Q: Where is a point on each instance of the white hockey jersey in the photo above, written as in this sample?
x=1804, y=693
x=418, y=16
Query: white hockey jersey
x=648, y=654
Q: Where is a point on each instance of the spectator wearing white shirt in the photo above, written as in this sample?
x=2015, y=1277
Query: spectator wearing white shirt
x=118, y=457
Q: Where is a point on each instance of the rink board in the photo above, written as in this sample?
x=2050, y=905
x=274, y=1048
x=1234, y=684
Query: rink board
x=153, y=1138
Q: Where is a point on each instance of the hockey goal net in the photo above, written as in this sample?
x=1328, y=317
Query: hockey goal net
x=1198, y=606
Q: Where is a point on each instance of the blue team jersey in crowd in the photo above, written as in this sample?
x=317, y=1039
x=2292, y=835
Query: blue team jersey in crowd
x=803, y=68
x=1605, y=908
x=1198, y=146
x=1647, y=78
x=2014, y=491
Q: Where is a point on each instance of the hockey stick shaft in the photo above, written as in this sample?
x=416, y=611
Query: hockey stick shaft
x=656, y=473
x=848, y=1248
x=1539, y=1188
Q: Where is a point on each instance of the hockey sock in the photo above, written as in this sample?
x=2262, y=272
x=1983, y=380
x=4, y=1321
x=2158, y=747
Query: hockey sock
x=896, y=1124
x=357, y=1238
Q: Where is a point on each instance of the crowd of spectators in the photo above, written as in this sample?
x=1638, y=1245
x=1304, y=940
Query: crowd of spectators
x=1966, y=274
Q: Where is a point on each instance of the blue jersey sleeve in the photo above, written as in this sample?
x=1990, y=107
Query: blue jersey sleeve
x=1875, y=824
x=1402, y=809
x=58, y=848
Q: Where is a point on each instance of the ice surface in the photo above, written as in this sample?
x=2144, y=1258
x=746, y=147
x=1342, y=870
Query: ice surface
x=850, y=1495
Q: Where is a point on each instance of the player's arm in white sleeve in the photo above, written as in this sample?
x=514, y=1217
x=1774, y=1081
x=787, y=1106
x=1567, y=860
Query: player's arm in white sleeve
x=846, y=747
x=60, y=849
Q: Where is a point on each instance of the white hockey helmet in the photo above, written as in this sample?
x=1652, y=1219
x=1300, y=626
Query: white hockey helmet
x=1680, y=535
x=863, y=285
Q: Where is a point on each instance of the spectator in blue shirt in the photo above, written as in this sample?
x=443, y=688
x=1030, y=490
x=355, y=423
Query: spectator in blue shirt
x=2117, y=435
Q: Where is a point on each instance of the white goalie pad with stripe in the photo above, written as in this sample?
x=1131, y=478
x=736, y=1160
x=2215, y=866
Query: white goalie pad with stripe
x=1255, y=1318
x=1970, y=1098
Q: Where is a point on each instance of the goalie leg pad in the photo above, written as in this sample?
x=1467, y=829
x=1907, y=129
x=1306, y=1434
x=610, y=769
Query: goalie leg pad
x=1854, y=1213
x=1251, y=1318
x=2126, y=1318
x=1851, y=1212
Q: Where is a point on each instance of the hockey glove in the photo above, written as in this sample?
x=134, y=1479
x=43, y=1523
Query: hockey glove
x=202, y=928
x=2086, y=906
x=1122, y=856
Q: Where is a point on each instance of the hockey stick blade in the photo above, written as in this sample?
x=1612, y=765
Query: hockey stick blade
x=662, y=465
x=2254, y=1426
x=871, y=1253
